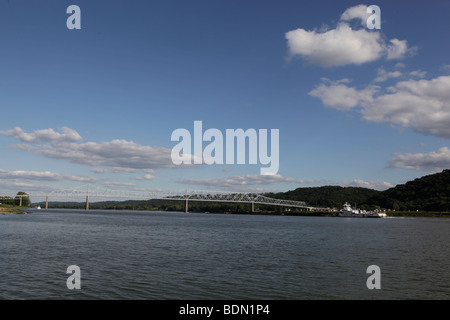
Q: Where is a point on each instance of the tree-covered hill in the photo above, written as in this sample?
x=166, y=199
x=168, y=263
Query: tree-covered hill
x=328, y=196
x=428, y=193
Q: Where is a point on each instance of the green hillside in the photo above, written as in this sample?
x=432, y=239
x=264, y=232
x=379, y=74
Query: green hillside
x=329, y=196
x=428, y=193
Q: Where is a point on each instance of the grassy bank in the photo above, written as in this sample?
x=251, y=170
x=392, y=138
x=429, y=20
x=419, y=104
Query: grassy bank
x=11, y=210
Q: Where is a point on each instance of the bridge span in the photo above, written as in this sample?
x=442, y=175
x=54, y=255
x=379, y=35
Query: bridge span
x=201, y=196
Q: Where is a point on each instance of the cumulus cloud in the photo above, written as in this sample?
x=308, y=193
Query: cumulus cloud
x=121, y=155
x=344, y=45
x=336, y=47
x=44, y=135
x=432, y=161
x=423, y=105
x=341, y=96
x=398, y=49
x=357, y=12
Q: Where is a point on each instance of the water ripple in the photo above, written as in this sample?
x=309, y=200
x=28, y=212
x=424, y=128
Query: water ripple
x=129, y=255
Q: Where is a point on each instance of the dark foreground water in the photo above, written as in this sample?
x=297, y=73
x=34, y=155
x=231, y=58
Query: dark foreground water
x=155, y=255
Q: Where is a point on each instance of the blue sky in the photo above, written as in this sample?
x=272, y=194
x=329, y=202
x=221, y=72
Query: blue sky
x=97, y=106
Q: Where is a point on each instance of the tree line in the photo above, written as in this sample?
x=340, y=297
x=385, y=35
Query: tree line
x=16, y=201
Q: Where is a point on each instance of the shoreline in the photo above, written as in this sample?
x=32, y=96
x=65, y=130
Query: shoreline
x=12, y=210
x=390, y=214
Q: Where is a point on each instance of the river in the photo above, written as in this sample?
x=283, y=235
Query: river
x=167, y=256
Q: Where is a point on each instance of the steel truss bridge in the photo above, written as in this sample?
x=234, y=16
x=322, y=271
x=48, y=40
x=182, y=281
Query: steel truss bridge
x=202, y=196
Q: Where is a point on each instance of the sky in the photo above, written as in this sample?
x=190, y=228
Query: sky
x=97, y=106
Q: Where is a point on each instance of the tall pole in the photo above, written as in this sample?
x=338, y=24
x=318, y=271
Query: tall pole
x=46, y=202
x=87, y=198
x=186, y=206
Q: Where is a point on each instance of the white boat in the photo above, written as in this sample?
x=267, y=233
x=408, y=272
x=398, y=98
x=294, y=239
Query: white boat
x=38, y=207
x=348, y=211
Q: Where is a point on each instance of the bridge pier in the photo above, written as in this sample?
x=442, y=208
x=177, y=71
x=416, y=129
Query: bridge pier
x=253, y=207
x=87, y=203
x=186, y=206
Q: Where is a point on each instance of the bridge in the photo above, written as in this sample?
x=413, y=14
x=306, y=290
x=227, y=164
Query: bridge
x=201, y=196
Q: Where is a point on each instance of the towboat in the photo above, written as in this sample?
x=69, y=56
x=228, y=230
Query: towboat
x=348, y=211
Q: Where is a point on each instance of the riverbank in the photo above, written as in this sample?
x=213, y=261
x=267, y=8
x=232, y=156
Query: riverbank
x=94, y=206
x=11, y=210
x=429, y=214
x=415, y=214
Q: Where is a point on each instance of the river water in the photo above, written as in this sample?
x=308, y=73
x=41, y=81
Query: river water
x=168, y=256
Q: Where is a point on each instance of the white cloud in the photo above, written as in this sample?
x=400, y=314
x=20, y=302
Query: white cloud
x=42, y=175
x=13, y=186
x=432, y=161
x=145, y=177
x=342, y=97
x=44, y=135
x=344, y=45
x=357, y=12
x=310, y=181
x=384, y=75
x=121, y=155
x=423, y=105
x=113, y=184
x=336, y=47
x=418, y=73
x=398, y=49
x=239, y=183
x=99, y=170
x=123, y=169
